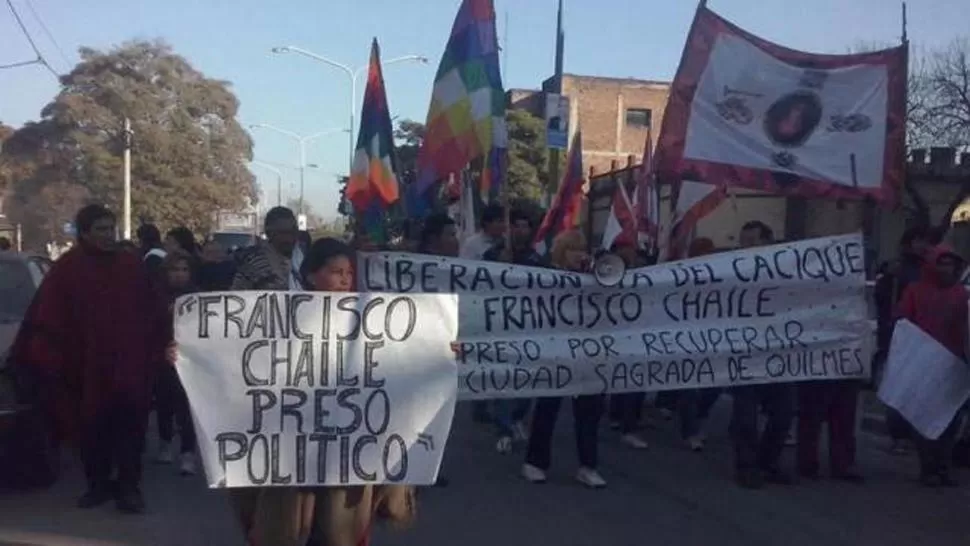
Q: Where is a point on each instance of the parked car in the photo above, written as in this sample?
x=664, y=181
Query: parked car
x=20, y=277
x=28, y=455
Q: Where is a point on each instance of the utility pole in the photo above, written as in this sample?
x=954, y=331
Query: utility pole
x=554, y=153
x=127, y=167
x=302, y=172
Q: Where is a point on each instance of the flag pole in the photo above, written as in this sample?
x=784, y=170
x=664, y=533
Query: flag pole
x=905, y=38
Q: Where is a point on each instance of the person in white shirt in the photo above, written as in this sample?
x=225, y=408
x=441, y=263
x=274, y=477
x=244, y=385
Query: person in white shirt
x=492, y=229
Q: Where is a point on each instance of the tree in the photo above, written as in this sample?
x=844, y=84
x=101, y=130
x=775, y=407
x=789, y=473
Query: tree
x=189, y=153
x=948, y=107
x=528, y=169
x=939, y=115
x=6, y=174
x=408, y=138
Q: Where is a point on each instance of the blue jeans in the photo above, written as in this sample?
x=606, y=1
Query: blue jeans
x=507, y=412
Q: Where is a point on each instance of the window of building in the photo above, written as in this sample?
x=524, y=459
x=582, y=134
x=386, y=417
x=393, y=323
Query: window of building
x=638, y=117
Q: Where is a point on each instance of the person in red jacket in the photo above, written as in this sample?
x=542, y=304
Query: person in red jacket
x=92, y=340
x=937, y=304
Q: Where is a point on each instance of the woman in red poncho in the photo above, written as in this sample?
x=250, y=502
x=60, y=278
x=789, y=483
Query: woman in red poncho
x=92, y=343
x=937, y=305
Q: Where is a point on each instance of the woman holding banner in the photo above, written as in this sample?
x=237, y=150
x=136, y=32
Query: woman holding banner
x=568, y=252
x=317, y=516
x=323, y=516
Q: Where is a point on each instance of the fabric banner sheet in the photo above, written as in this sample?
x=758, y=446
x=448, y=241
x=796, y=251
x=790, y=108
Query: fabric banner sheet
x=788, y=312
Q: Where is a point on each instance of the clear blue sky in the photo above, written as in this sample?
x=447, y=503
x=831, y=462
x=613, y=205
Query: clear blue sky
x=230, y=39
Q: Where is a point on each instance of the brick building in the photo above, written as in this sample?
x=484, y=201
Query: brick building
x=615, y=114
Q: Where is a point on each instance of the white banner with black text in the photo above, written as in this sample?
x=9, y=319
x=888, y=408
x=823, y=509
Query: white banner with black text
x=318, y=389
x=788, y=312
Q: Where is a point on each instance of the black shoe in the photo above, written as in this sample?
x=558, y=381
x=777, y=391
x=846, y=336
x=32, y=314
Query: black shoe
x=809, y=474
x=95, y=496
x=778, y=477
x=749, y=479
x=131, y=502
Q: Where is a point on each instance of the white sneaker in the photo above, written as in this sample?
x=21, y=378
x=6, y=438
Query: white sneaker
x=504, y=445
x=187, y=464
x=634, y=441
x=164, y=455
x=533, y=474
x=696, y=443
x=590, y=478
x=520, y=432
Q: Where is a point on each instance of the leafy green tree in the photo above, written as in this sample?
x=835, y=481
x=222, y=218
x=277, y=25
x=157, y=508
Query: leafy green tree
x=189, y=153
x=528, y=170
x=408, y=137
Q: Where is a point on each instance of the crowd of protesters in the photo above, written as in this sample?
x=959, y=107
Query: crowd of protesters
x=98, y=338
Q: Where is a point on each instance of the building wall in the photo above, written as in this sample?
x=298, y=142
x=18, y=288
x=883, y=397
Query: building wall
x=599, y=106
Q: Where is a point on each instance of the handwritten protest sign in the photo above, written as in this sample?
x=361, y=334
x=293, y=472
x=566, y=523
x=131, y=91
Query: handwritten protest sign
x=924, y=381
x=309, y=389
x=788, y=312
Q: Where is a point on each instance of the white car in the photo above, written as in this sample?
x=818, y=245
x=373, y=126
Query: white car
x=20, y=277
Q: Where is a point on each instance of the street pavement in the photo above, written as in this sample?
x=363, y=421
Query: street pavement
x=665, y=495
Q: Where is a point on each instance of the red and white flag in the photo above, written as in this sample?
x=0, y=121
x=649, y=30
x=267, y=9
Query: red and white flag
x=747, y=112
x=692, y=201
x=621, y=225
x=648, y=198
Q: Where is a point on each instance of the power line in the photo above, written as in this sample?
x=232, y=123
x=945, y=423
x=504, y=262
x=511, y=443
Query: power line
x=50, y=36
x=40, y=58
x=17, y=65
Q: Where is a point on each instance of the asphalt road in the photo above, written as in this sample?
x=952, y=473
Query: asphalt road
x=665, y=495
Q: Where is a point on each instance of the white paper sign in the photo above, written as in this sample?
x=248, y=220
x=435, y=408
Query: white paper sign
x=789, y=312
x=923, y=381
x=315, y=389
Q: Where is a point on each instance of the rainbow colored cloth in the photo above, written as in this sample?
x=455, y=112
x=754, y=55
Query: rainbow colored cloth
x=373, y=185
x=466, y=119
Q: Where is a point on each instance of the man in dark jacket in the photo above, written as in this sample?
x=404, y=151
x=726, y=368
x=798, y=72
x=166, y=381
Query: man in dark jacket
x=758, y=452
x=522, y=231
x=273, y=264
x=509, y=415
x=888, y=290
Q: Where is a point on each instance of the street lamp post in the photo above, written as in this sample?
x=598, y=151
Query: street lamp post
x=352, y=74
x=279, y=180
x=302, y=140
